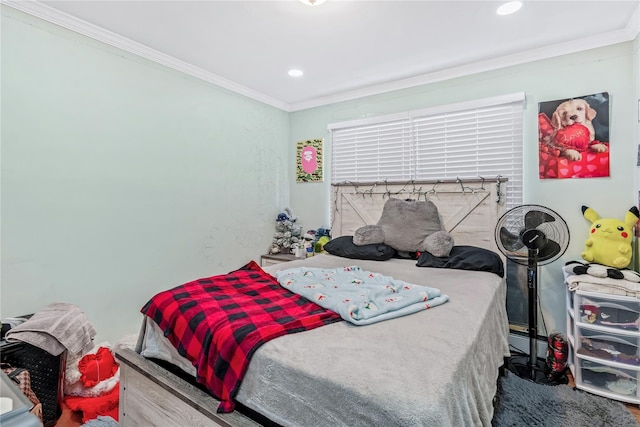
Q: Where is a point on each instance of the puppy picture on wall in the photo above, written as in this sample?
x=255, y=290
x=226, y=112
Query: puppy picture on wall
x=573, y=137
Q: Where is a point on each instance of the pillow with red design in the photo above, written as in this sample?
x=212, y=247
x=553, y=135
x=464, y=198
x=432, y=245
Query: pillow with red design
x=97, y=367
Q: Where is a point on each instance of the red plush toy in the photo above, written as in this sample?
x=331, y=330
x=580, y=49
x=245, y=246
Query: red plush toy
x=575, y=136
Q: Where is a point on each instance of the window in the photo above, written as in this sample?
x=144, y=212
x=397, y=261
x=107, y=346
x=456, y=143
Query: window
x=481, y=138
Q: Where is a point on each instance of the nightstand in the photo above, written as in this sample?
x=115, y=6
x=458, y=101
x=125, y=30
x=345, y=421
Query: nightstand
x=271, y=259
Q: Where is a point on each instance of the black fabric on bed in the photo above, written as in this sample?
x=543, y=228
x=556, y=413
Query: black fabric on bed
x=343, y=246
x=465, y=258
x=406, y=255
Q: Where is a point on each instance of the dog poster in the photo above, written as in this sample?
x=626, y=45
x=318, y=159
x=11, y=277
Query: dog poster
x=309, y=160
x=573, y=137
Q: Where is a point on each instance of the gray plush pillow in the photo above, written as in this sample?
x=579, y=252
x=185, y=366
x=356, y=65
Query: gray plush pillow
x=368, y=235
x=409, y=226
x=439, y=243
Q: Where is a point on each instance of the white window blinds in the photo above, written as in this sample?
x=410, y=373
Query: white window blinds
x=482, y=138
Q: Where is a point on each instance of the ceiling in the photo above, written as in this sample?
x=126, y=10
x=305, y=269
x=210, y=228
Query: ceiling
x=346, y=49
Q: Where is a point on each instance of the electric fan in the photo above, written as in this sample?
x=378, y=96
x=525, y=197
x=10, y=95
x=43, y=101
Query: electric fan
x=532, y=235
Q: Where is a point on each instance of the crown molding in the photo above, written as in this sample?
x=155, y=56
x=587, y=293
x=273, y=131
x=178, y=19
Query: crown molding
x=42, y=11
x=633, y=26
x=54, y=16
x=630, y=32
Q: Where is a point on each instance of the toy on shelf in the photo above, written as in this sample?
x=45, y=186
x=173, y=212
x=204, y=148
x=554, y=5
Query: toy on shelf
x=322, y=237
x=314, y=240
x=288, y=233
x=609, y=241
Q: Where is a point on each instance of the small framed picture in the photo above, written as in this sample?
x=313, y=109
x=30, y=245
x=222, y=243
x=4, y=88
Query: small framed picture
x=309, y=160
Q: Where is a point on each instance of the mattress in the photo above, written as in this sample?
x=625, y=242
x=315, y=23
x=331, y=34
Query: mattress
x=435, y=367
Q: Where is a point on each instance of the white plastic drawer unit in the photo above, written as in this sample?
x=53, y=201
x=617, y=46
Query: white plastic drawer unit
x=608, y=380
x=609, y=347
x=603, y=331
x=613, y=312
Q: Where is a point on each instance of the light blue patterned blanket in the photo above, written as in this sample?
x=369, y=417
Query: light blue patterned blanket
x=360, y=297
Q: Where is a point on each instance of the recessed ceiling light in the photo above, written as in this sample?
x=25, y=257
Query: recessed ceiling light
x=509, y=8
x=313, y=2
x=295, y=73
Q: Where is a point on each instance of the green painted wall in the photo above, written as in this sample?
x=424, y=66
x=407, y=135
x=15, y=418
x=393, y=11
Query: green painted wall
x=121, y=177
x=611, y=69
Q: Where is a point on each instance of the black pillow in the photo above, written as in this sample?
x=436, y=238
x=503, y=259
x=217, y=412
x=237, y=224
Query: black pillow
x=343, y=246
x=406, y=255
x=465, y=258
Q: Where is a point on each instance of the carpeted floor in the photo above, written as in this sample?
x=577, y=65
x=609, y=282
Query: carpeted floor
x=522, y=402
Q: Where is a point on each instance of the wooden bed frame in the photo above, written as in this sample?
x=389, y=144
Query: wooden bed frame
x=152, y=396
x=469, y=209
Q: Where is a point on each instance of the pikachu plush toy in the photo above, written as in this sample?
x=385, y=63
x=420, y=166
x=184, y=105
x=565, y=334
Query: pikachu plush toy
x=609, y=241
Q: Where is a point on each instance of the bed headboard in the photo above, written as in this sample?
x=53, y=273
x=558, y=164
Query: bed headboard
x=469, y=209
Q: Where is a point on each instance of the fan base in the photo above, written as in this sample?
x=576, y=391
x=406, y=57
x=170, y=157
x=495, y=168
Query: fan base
x=520, y=366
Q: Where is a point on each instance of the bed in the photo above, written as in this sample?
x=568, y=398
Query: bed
x=434, y=367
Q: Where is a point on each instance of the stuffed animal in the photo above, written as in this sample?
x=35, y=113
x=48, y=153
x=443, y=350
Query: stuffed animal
x=408, y=226
x=318, y=247
x=288, y=233
x=601, y=271
x=609, y=241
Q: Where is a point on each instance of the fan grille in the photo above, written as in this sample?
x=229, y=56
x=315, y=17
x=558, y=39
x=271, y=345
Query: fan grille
x=549, y=230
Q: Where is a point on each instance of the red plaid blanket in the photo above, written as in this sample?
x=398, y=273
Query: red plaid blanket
x=218, y=323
